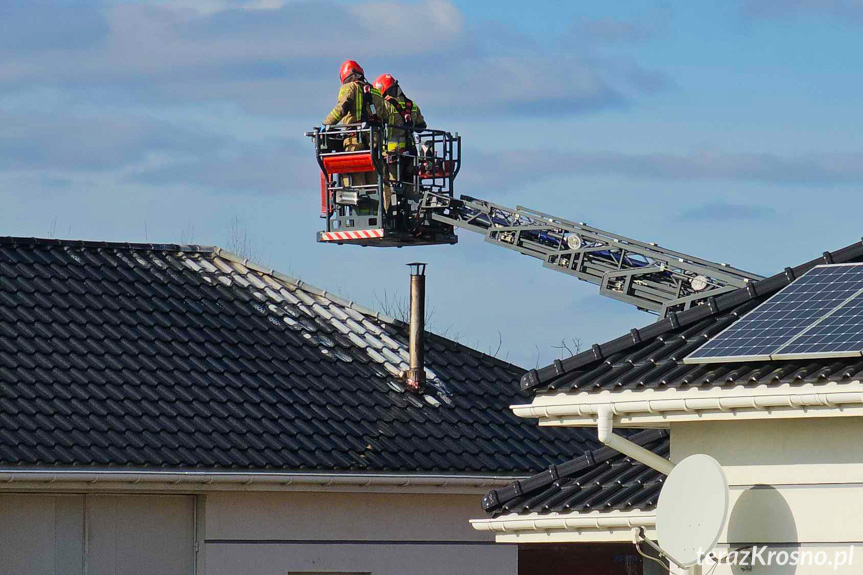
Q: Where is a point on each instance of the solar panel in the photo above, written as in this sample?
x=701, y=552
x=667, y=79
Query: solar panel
x=839, y=332
x=818, y=315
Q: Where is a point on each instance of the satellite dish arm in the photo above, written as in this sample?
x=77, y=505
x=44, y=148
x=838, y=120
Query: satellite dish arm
x=639, y=537
x=605, y=433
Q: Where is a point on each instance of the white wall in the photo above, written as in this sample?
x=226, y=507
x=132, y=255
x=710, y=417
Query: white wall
x=340, y=516
x=382, y=534
x=41, y=534
x=247, y=532
x=795, y=485
x=96, y=534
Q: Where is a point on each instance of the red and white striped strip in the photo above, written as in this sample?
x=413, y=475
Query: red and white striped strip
x=352, y=235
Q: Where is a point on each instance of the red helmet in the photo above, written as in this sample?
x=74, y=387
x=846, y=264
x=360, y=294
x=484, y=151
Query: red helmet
x=350, y=67
x=384, y=82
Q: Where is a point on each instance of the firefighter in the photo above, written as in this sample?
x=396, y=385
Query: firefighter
x=403, y=113
x=409, y=113
x=357, y=103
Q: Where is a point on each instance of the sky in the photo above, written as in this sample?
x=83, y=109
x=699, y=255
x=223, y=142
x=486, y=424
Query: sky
x=727, y=130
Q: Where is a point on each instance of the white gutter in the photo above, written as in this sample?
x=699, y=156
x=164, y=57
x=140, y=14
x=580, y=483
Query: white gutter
x=203, y=480
x=587, y=522
x=605, y=434
x=667, y=409
x=514, y=524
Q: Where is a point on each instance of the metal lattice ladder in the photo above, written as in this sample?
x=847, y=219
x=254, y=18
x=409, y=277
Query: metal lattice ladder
x=646, y=275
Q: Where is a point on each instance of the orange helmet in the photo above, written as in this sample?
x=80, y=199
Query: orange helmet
x=350, y=67
x=384, y=82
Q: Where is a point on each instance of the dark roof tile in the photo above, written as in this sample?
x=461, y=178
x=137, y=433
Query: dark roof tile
x=597, y=480
x=126, y=355
x=690, y=330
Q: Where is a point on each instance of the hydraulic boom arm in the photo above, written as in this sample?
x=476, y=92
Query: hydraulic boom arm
x=646, y=275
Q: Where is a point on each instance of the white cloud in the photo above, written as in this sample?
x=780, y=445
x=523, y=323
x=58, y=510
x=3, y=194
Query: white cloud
x=169, y=40
x=46, y=142
x=411, y=27
x=281, y=58
x=212, y=6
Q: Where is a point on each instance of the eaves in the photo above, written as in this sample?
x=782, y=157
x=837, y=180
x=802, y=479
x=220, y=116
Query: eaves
x=117, y=480
x=600, y=526
x=652, y=408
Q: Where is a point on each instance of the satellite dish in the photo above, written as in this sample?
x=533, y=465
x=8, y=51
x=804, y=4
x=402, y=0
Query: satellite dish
x=692, y=510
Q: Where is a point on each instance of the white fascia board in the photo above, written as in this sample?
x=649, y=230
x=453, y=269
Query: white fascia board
x=659, y=408
x=205, y=481
x=567, y=527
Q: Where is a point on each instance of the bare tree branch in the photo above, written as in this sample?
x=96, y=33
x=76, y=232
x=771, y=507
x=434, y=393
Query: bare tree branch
x=238, y=240
x=572, y=347
x=499, y=344
x=187, y=236
x=399, y=307
x=394, y=305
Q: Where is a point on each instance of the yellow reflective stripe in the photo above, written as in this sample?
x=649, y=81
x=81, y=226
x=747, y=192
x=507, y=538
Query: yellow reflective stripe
x=358, y=103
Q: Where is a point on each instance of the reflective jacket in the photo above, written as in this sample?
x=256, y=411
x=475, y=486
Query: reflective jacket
x=356, y=105
x=405, y=113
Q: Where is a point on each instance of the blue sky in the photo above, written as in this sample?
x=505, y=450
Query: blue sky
x=727, y=130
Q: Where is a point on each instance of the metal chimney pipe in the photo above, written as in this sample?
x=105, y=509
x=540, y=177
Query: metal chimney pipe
x=416, y=375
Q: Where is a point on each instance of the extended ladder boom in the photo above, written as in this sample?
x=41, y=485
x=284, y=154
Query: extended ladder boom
x=355, y=185
x=646, y=275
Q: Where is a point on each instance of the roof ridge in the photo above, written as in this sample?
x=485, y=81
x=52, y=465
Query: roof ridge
x=304, y=285
x=497, y=498
x=713, y=305
x=195, y=248
x=33, y=241
x=475, y=352
x=301, y=284
x=252, y=265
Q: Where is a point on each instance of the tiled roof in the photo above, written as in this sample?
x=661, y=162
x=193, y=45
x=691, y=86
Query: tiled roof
x=601, y=480
x=651, y=357
x=188, y=357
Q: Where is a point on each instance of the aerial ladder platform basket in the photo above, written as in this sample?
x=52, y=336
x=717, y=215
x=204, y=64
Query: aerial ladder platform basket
x=353, y=183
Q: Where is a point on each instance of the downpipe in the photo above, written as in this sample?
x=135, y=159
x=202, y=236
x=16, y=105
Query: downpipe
x=605, y=434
